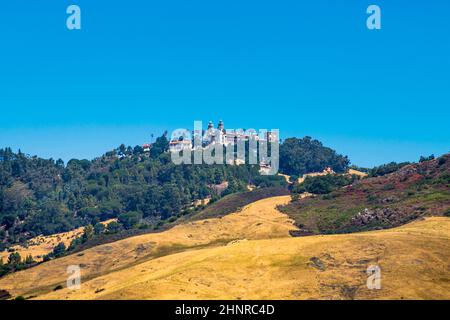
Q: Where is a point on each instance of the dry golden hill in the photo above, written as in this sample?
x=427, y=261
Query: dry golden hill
x=199, y=261
x=414, y=262
x=258, y=220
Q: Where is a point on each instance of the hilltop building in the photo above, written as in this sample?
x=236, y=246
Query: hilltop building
x=224, y=137
x=146, y=147
x=220, y=135
x=178, y=145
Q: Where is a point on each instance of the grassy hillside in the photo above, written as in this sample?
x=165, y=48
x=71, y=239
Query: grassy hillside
x=416, y=190
x=258, y=220
x=413, y=261
x=234, y=202
x=249, y=255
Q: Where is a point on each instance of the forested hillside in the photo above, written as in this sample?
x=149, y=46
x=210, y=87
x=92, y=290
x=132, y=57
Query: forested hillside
x=39, y=196
x=44, y=197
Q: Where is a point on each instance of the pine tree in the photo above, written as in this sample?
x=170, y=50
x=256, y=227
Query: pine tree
x=14, y=259
x=59, y=250
x=29, y=259
x=88, y=233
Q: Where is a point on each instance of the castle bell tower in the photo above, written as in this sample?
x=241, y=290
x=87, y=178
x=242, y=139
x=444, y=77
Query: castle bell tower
x=221, y=127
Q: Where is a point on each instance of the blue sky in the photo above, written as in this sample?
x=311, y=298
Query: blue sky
x=307, y=68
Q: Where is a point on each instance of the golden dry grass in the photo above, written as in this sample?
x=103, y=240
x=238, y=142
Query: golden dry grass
x=258, y=220
x=198, y=261
x=39, y=246
x=357, y=173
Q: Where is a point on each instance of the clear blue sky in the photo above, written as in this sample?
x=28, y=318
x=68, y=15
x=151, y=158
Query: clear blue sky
x=307, y=68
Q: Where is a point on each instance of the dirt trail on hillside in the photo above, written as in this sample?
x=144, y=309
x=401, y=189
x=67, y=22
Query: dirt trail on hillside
x=258, y=220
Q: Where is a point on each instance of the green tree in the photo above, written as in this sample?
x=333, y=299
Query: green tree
x=29, y=260
x=4, y=269
x=386, y=169
x=99, y=228
x=14, y=259
x=130, y=219
x=423, y=159
x=113, y=227
x=323, y=184
x=88, y=233
x=59, y=250
x=160, y=146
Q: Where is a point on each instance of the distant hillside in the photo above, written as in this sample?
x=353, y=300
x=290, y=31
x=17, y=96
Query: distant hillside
x=413, y=191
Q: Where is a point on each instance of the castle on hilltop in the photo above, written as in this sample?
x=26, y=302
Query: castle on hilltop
x=221, y=136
